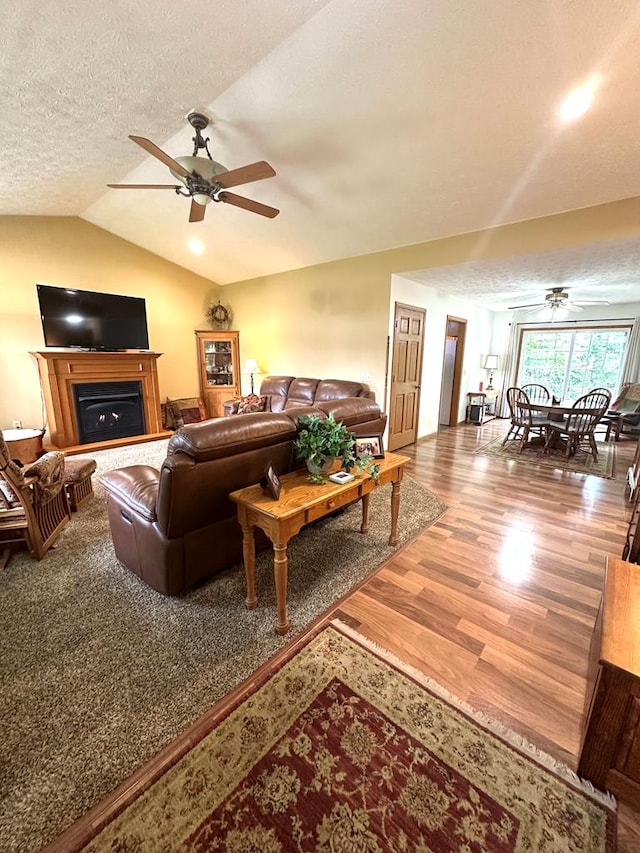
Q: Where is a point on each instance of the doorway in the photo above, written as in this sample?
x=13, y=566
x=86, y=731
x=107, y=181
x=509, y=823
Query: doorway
x=406, y=372
x=452, y=361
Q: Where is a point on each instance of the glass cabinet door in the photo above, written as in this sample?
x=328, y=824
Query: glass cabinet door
x=218, y=363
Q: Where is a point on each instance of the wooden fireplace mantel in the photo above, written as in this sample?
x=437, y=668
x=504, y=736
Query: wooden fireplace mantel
x=61, y=369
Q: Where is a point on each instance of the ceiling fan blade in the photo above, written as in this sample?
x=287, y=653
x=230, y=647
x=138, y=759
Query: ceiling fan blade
x=246, y=174
x=532, y=305
x=144, y=186
x=249, y=204
x=587, y=302
x=158, y=153
x=571, y=306
x=197, y=212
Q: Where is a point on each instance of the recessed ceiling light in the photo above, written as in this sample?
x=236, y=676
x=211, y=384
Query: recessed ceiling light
x=576, y=103
x=196, y=246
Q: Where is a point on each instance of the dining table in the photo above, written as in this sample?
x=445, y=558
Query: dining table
x=555, y=412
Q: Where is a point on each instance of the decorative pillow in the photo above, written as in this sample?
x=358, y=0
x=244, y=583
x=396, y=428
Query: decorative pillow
x=252, y=403
x=187, y=410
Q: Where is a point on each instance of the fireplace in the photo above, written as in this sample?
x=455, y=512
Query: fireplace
x=108, y=410
x=62, y=371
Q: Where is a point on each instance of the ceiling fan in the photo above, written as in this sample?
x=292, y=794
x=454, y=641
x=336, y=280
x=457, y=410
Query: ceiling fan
x=202, y=179
x=558, y=298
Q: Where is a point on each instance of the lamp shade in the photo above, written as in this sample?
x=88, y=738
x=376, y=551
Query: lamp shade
x=491, y=362
x=250, y=366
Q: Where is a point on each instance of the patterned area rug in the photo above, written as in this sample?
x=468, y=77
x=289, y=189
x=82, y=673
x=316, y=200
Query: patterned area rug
x=339, y=749
x=581, y=463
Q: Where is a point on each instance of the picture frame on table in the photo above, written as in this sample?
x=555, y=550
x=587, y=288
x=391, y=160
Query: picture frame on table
x=369, y=445
x=270, y=483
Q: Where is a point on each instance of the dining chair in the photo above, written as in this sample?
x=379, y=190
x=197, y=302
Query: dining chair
x=537, y=393
x=578, y=428
x=523, y=421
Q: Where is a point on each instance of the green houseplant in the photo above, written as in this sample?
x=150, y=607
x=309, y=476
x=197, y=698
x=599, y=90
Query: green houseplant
x=321, y=441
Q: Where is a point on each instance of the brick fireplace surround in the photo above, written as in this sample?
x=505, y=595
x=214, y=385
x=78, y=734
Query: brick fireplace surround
x=61, y=370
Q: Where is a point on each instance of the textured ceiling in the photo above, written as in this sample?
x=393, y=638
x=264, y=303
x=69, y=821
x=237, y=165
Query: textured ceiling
x=387, y=123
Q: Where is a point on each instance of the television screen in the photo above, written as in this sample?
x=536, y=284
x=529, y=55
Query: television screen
x=82, y=318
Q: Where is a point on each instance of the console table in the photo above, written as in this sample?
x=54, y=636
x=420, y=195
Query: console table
x=301, y=502
x=610, y=754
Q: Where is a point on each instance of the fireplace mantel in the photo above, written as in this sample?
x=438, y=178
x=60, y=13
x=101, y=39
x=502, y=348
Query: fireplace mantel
x=61, y=369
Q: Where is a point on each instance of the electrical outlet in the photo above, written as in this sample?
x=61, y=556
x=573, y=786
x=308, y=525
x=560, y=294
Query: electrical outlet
x=17, y=424
x=366, y=377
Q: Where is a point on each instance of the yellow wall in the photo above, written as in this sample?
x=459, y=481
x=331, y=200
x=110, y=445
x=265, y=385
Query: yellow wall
x=332, y=319
x=69, y=251
x=329, y=320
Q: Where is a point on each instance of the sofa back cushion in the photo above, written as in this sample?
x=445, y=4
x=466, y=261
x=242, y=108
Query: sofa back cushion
x=302, y=392
x=337, y=389
x=276, y=388
x=207, y=461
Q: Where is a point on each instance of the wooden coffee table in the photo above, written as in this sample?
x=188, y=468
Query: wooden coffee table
x=301, y=502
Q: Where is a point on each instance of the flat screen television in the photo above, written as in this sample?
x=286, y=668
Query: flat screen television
x=88, y=320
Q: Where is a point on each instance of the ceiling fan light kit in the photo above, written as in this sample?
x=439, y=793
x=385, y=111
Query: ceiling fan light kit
x=203, y=179
x=557, y=304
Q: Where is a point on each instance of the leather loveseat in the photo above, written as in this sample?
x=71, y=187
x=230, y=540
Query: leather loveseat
x=177, y=526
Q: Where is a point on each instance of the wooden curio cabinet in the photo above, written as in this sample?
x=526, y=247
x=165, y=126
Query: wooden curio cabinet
x=219, y=363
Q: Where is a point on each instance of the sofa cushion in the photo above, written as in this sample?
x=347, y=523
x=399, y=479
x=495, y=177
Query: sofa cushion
x=186, y=410
x=276, y=389
x=336, y=389
x=351, y=410
x=301, y=392
x=221, y=437
x=251, y=403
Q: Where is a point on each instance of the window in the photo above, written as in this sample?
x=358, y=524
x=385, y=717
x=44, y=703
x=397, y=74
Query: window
x=570, y=362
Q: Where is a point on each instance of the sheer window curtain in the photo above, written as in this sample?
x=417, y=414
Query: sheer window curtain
x=508, y=370
x=631, y=366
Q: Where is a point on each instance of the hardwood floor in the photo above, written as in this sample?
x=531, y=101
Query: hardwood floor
x=497, y=600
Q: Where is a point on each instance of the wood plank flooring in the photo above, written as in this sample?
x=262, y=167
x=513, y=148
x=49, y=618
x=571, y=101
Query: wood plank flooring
x=497, y=600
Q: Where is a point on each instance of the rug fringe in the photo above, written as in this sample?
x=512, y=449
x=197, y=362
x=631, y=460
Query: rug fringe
x=518, y=741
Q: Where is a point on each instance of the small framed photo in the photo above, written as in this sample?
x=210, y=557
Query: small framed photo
x=270, y=483
x=369, y=445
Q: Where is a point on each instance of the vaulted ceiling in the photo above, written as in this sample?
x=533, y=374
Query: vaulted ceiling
x=388, y=124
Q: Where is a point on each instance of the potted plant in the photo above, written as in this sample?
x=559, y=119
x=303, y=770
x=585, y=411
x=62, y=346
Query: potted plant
x=321, y=441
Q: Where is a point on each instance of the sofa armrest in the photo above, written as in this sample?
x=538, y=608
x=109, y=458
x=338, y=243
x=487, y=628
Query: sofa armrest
x=351, y=410
x=230, y=407
x=135, y=486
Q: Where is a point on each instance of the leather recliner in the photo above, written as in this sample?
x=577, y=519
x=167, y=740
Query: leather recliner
x=177, y=526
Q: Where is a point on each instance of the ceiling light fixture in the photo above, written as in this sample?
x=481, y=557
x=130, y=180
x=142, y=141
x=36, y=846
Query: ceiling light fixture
x=196, y=246
x=577, y=102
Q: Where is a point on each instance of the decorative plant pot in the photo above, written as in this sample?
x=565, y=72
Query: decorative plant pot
x=318, y=473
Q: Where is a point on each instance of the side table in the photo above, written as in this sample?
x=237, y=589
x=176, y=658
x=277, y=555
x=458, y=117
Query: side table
x=610, y=754
x=301, y=502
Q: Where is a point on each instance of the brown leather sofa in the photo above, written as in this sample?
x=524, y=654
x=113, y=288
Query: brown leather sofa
x=177, y=526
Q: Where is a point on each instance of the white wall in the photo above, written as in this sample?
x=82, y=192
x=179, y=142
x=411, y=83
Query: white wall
x=478, y=343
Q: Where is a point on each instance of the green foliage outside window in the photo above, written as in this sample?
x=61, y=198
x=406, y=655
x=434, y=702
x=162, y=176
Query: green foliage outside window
x=571, y=362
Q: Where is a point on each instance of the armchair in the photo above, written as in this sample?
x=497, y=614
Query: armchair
x=33, y=503
x=623, y=417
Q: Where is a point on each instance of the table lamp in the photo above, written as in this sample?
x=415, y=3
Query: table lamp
x=251, y=367
x=491, y=363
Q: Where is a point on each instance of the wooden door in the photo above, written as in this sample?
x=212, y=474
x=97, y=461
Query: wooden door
x=452, y=371
x=406, y=370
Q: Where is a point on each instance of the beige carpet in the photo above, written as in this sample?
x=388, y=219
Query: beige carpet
x=581, y=463
x=99, y=671
x=341, y=748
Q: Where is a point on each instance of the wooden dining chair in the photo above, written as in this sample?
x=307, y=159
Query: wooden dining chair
x=537, y=393
x=523, y=421
x=578, y=428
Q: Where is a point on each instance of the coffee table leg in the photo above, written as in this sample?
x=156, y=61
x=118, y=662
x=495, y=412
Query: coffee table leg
x=395, y=508
x=249, y=558
x=364, y=527
x=280, y=575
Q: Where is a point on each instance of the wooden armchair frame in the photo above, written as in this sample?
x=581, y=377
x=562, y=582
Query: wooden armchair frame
x=27, y=514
